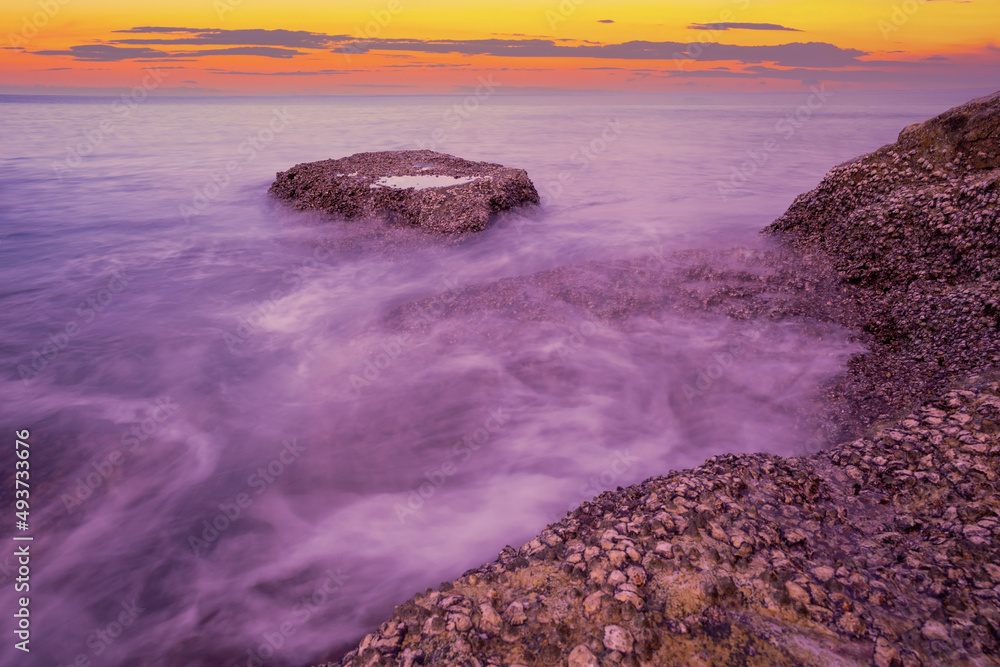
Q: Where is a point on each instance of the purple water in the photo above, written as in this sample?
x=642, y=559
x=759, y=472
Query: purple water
x=363, y=411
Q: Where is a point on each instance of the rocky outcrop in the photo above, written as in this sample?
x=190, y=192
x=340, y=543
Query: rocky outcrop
x=915, y=227
x=881, y=550
x=424, y=189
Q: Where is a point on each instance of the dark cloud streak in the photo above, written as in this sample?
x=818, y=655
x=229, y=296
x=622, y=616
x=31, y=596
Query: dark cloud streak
x=798, y=54
x=740, y=26
x=109, y=53
x=254, y=37
x=287, y=44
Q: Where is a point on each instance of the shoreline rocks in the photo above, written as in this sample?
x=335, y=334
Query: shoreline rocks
x=425, y=189
x=881, y=550
x=914, y=229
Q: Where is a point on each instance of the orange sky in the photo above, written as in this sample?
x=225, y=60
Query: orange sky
x=433, y=46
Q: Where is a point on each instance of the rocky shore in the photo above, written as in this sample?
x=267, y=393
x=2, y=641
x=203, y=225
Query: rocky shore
x=881, y=549
x=913, y=228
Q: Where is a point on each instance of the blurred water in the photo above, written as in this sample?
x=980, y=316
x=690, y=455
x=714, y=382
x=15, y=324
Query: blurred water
x=364, y=411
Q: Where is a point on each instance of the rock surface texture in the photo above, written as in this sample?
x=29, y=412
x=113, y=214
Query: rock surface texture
x=425, y=189
x=882, y=550
x=914, y=227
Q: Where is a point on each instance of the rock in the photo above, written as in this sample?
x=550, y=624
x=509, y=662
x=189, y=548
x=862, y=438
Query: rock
x=851, y=624
x=935, y=630
x=460, y=622
x=514, y=614
x=423, y=189
x=592, y=603
x=886, y=654
x=617, y=638
x=581, y=656
x=797, y=593
x=490, y=620
x=636, y=575
x=912, y=228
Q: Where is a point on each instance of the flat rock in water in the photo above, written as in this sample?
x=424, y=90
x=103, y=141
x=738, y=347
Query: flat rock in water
x=424, y=189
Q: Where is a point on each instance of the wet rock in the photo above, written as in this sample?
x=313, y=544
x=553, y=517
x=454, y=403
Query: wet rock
x=423, y=189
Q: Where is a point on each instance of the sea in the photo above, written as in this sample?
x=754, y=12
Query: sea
x=251, y=431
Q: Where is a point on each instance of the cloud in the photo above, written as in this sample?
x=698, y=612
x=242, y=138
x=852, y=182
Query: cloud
x=605, y=20
x=155, y=29
x=263, y=51
x=255, y=37
x=804, y=75
x=810, y=54
x=110, y=53
x=813, y=75
x=104, y=53
x=740, y=26
x=286, y=44
x=321, y=72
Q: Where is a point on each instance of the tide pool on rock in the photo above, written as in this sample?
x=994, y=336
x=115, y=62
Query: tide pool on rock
x=420, y=182
x=424, y=189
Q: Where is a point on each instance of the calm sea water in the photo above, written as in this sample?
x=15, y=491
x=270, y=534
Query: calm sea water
x=254, y=430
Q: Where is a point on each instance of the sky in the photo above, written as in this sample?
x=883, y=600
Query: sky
x=251, y=47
